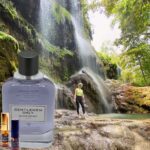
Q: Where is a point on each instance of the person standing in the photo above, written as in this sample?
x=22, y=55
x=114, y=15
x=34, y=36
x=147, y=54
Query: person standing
x=79, y=98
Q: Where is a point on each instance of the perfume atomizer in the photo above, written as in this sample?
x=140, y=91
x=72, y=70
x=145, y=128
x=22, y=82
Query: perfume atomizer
x=5, y=129
x=14, y=134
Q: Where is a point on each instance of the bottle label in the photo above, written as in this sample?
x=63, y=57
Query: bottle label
x=4, y=138
x=28, y=112
x=14, y=143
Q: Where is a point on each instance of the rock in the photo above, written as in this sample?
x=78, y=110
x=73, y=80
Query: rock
x=97, y=95
x=96, y=133
x=65, y=98
x=8, y=55
x=129, y=99
x=107, y=134
x=145, y=132
x=29, y=9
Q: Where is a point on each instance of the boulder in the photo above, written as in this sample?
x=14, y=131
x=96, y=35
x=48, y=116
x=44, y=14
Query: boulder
x=97, y=96
x=64, y=98
x=129, y=99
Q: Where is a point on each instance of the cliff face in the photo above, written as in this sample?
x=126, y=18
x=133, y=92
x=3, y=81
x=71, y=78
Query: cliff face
x=20, y=19
x=63, y=36
x=29, y=9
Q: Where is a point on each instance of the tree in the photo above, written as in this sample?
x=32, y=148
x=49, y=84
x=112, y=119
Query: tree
x=133, y=16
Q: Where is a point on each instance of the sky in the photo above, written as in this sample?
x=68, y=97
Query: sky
x=102, y=29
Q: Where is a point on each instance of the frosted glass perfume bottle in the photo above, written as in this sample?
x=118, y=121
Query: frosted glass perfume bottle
x=30, y=98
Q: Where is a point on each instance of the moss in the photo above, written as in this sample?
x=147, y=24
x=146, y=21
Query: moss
x=29, y=38
x=87, y=25
x=9, y=6
x=17, y=22
x=8, y=55
x=9, y=38
x=57, y=51
x=139, y=96
x=54, y=61
x=60, y=13
x=3, y=26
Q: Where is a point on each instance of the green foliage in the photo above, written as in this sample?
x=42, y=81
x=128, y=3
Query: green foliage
x=133, y=17
x=57, y=51
x=87, y=25
x=60, y=13
x=9, y=13
x=94, y=5
x=6, y=37
x=137, y=62
x=8, y=55
x=110, y=64
x=55, y=64
x=9, y=7
x=3, y=27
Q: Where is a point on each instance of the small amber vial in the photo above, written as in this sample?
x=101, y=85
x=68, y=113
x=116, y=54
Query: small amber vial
x=5, y=129
x=5, y=138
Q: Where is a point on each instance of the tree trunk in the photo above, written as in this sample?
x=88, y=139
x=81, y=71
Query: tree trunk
x=142, y=71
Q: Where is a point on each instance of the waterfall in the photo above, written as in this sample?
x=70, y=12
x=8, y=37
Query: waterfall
x=45, y=17
x=87, y=54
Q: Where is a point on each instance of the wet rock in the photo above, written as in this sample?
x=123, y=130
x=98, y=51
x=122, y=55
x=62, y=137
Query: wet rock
x=97, y=95
x=97, y=133
x=64, y=98
x=129, y=99
x=145, y=132
x=29, y=9
x=8, y=55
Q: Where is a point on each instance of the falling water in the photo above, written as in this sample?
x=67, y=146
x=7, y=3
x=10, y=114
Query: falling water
x=103, y=92
x=45, y=17
x=87, y=54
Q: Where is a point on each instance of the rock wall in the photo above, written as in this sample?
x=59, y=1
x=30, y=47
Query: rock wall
x=29, y=9
x=17, y=19
x=129, y=99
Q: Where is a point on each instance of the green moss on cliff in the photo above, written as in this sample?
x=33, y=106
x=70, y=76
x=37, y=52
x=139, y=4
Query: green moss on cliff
x=17, y=23
x=55, y=63
x=60, y=13
x=55, y=50
x=9, y=6
x=8, y=52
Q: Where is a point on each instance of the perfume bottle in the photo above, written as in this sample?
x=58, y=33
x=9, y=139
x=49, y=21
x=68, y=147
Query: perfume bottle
x=5, y=129
x=30, y=98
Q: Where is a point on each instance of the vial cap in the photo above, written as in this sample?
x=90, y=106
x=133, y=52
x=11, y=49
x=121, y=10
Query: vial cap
x=28, y=63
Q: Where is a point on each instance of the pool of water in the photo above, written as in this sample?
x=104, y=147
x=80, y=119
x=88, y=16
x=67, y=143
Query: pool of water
x=126, y=116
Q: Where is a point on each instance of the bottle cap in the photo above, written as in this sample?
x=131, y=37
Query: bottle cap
x=28, y=63
x=15, y=128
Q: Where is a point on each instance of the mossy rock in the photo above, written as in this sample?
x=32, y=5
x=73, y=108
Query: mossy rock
x=8, y=55
x=60, y=13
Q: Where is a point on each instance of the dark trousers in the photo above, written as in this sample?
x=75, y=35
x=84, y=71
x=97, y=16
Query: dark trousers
x=79, y=101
